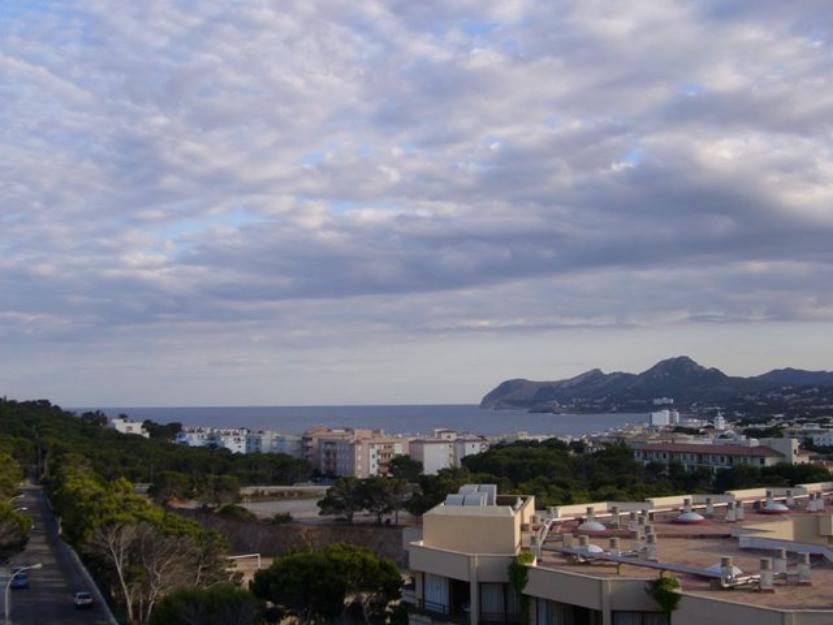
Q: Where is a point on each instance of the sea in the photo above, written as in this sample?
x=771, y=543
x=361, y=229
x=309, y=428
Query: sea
x=404, y=419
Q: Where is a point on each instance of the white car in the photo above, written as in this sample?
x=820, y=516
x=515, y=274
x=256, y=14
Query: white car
x=82, y=599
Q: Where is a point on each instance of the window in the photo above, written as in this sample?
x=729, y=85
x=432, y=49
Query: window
x=555, y=613
x=436, y=593
x=640, y=618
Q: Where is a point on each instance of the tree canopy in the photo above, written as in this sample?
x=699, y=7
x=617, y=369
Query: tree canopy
x=314, y=585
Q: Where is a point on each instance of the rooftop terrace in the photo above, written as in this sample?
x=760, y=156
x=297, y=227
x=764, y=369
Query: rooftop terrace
x=693, y=551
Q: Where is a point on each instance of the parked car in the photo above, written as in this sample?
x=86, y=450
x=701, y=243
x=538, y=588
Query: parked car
x=82, y=599
x=21, y=580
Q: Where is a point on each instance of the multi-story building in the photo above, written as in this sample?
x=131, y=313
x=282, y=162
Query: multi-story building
x=434, y=453
x=125, y=426
x=446, y=449
x=693, y=455
x=751, y=557
x=271, y=442
x=360, y=453
x=233, y=439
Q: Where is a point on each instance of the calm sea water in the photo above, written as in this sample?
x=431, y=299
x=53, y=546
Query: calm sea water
x=409, y=419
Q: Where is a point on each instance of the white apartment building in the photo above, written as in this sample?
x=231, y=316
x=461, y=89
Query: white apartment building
x=665, y=417
x=823, y=440
x=271, y=442
x=233, y=439
x=125, y=426
x=445, y=450
x=434, y=454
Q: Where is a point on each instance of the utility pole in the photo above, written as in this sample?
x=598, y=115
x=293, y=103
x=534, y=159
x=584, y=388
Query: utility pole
x=22, y=569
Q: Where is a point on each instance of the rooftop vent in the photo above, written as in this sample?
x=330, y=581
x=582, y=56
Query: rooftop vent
x=591, y=525
x=804, y=570
x=688, y=516
x=587, y=547
x=726, y=569
x=774, y=507
x=766, y=580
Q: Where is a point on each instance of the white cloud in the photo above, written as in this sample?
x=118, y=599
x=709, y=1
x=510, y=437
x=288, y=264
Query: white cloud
x=339, y=173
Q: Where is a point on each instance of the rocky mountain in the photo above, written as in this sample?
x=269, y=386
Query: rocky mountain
x=680, y=378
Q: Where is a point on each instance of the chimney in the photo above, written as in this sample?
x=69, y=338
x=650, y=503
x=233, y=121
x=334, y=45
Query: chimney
x=686, y=505
x=739, y=515
x=567, y=539
x=590, y=513
x=613, y=547
x=804, y=570
x=766, y=581
x=632, y=523
x=779, y=563
x=614, y=516
x=790, y=498
x=709, y=507
x=730, y=512
x=727, y=573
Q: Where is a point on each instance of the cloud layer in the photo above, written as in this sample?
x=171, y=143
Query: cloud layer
x=212, y=182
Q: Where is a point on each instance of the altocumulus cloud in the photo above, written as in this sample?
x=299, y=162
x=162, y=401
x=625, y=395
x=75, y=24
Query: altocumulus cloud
x=206, y=185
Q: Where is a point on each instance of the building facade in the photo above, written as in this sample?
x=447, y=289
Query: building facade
x=125, y=426
x=693, y=456
x=736, y=561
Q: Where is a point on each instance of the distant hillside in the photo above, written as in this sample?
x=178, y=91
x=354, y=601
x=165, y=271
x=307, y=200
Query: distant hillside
x=680, y=378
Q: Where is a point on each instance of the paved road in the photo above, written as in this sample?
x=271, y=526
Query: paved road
x=48, y=600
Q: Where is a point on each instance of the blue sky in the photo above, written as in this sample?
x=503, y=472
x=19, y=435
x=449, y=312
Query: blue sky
x=392, y=202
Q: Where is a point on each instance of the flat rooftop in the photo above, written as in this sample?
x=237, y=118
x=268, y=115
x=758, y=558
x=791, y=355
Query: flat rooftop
x=702, y=546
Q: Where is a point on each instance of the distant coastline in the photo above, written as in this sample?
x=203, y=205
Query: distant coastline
x=399, y=419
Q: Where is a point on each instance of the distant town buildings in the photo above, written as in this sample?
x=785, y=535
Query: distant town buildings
x=233, y=439
x=271, y=442
x=343, y=451
x=125, y=426
x=666, y=417
x=714, y=456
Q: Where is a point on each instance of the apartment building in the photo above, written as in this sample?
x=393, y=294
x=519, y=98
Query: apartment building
x=751, y=557
x=233, y=439
x=360, y=453
x=710, y=456
x=271, y=442
x=446, y=449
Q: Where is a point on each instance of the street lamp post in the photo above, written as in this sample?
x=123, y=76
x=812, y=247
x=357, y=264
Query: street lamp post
x=9, y=586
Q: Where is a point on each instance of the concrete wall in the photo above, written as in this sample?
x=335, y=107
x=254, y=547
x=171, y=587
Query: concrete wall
x=817, y=487
x=473, y=532
x=605, y=594
x=439, y=562
x=695, y=610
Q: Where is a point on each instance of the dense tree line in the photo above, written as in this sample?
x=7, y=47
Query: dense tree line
x=556, y=475
x=41, y=434
x=14, y=524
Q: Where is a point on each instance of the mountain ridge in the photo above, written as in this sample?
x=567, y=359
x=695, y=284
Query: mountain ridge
x=679, y=377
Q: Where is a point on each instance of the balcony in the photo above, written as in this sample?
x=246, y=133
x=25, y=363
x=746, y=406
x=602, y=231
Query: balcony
x=437, y=613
